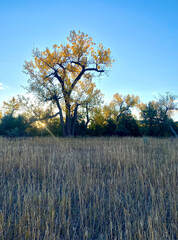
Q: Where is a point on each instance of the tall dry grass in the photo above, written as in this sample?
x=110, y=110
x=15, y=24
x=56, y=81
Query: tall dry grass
x=99, y=188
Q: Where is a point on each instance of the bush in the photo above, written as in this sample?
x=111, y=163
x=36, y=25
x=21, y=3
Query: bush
x=13, y=127
x=127, y=126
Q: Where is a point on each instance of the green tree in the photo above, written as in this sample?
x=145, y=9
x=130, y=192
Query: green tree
x=157, y=115
x=110, y=127
x=127, y=126
x=149, y=116
x=13, y=126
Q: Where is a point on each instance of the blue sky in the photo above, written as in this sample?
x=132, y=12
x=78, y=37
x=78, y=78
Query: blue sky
x=142, y=36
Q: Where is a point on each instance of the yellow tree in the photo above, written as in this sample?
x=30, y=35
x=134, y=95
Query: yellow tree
x=11, y=106
x=55, y=74
x=120, y=105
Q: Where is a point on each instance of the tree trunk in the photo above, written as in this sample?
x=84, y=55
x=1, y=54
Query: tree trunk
x=62, y=124
x=74, y=119
x=174, y=132
x=87, y=115
x=61, y=119
x=68, y=120
x=118, y=116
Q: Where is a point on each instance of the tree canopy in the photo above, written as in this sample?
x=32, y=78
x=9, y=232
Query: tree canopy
x=55, y=74
x=156, y=115
x=120, y=105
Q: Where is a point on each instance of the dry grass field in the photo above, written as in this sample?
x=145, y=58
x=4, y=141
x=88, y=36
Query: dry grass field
x=90, y=188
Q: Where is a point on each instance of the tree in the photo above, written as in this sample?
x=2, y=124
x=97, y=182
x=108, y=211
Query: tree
x=127, y=126
x=35, y=113
x=167, y=104
x=110, y=127
x=85, y=98
x=156, y=115
x=12, y=127
x=149, y=116
x=32, y=109
x=94, y=98
x=55, y=75
x=120, y=105
x=97, y=124
x=11, y=106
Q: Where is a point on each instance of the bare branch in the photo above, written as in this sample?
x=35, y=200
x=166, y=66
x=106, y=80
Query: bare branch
x=78, y=63
x=94, y=69
x=32, y=120
x=76, y=80
x=54, y=97
x=49, y=75
x=60, y=65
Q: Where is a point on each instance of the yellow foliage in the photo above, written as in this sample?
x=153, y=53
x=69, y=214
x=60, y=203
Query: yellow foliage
x=120, y=104
x=118, y=98
x=11, y=106
x=67, y=70
x=143, y=106
x=79, y=51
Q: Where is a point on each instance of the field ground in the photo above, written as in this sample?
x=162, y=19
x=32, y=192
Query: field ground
x=90, y=188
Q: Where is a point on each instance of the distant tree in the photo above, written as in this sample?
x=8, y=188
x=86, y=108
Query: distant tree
x=45, y=128
x=110, y=127
x=97, y=124
x=13, y=126
x=33, y=110
x=120, y=105
x=149, y=116
x=157, y=115
x=81, y=129
x=11, y=106
x=127, y=126
x=55, y=127
x=167, y=104
x=95, y=99
x=55, y=75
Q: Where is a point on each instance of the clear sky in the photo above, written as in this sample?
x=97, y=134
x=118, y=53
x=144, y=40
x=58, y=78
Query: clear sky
x=142, y=36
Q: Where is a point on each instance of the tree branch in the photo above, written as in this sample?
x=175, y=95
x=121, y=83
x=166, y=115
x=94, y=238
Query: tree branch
x=78, y=63
x=81, y=73
x=76, y=80
x=32, y=120
x=45, y=63
x=49, y=75
x=94, y=69
x=52, y=98
x=61, y=81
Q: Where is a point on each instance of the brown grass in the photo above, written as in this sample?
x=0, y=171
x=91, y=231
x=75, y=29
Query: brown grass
x=97, y=188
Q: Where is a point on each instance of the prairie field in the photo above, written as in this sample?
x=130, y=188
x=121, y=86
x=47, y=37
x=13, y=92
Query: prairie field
x=88, y=188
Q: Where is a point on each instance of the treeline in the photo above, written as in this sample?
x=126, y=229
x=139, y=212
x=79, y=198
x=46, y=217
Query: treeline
x=68, y=103
x=21, y=118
